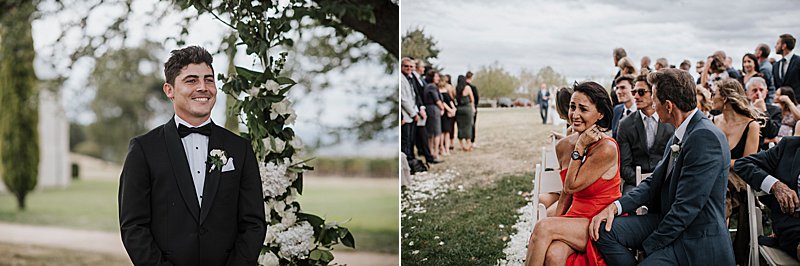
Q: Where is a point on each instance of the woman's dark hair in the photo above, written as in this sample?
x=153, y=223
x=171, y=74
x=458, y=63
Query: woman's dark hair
x=460, y=85
x=599, y=97
x=788, y=91
x=563, y=97
x=449, y=79
x=752, y=57
x=676, y=86
x=182, y=57
x=430, y=74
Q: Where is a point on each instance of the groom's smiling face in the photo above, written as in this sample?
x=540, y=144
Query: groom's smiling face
x=194, y=93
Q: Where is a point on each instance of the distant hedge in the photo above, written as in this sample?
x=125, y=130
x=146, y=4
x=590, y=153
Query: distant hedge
x=355, y=167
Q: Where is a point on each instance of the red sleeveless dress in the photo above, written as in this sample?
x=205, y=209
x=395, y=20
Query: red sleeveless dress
x=589, y=202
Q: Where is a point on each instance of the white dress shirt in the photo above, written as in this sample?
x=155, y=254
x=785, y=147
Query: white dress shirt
x=628, y=111
x=196, y=148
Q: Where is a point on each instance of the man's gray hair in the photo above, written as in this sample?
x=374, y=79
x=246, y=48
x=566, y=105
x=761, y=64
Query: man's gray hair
x=755, y=80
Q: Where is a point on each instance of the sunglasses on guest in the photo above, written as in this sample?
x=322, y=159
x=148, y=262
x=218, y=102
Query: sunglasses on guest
x=641, y=92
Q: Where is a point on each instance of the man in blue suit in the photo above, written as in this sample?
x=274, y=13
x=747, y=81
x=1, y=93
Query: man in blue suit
x=542, y=100
x=786, y=72
x=627, y=105
x=686, y=193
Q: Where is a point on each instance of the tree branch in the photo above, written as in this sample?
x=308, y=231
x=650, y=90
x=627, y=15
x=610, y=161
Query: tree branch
x=384, y=31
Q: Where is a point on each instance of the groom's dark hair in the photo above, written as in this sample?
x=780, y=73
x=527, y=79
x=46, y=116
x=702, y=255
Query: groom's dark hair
x=183, y=57
x=675, y=85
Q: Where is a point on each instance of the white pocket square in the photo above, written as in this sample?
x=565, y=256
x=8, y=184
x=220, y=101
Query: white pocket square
x=228, y=166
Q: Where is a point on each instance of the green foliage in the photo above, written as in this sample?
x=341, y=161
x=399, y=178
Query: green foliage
x=126, y=99
x=19, y=120
x=467, y=223
x=494, y=81
x=546, y=75
x=419, y=46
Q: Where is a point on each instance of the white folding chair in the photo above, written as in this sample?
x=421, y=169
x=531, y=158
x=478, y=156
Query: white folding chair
x=639, y=177
x=544, y=182
x=549, y=158
x=773, y=256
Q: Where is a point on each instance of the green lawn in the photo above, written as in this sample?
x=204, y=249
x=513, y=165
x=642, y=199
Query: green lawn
x=92, y=204
x=468, y=224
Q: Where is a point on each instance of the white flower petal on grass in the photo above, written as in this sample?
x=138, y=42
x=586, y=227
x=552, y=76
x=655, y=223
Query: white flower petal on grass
x=441, y=243
x=414, y=252
x=502, y=226
x=436, y=237
x=517, y=246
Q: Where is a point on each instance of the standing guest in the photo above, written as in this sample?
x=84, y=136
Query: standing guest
x=645, y=65
x=749, y=68
x=452, y=90
x=787, y=70
x=591, y=181
x=785, y=98
x=756, y=94
x=626, y=67
x=618, y=54
x=174, y=207
x=775, y=172
x=420, y=132
x=704, y=101
x=765, y=68
x=475, y=102
x=433, y=105
x=645, y=138
x=661, y=63
x=627, y=106
x=563, y=97
x=699, y=67
x=738, y=121
x=410, y=111
x=419, y=72
x=465, y=112
x=727, y=62
x=449, y=114
x=685, y=224
x=542, y=100
x=686, y=65
x=715, y=70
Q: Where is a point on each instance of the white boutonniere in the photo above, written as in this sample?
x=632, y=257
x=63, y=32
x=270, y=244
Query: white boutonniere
x=676, y=149
x=217, y=159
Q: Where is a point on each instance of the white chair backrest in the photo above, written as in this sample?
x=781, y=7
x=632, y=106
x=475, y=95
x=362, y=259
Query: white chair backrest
x=772, y=256
x=640, y=176
x=544, y=182
x=549, y=158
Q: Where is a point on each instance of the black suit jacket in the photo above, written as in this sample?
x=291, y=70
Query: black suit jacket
x=633, y=146
x=781, y=162
x=160, y=219
x=772, y=126
x=792, y=77
x=475, y=95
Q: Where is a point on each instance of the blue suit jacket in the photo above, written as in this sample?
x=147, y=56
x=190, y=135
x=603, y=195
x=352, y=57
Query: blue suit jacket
x=690, y=199
x=618, y=109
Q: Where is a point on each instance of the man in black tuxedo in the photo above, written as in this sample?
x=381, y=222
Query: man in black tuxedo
x=477, y=100
x=777, y=172
x=642, y=137
x=686, y=225
x=756, y=94
x=543, y=101
x=177, y=208
x=786, y=72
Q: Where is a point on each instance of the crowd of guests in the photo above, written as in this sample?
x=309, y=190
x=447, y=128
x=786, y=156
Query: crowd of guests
x=434, y=112
x=703, y=140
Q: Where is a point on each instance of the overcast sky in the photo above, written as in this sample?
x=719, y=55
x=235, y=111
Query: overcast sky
x=576, y=38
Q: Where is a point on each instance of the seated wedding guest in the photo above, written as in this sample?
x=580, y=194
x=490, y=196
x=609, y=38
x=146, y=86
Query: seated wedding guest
x=564, y=146
x=785, y=98
x=750, y=68
x=644, y=139
x=626, y=105
x=626, y=66
x=715, y=70
x=434, y=107
x=704, y=101
x=738, y=121
x=686, y=65
x=728, y=62
x=465, y=111
x=661, y=63
x=775, y=172
x=449, y=114
x=645, y=66
x=618, y=54
x=699, y=67
x=591, y=181
x=685, y=223
x=756, y=93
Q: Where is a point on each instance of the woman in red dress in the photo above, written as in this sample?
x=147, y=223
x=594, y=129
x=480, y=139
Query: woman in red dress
x=591, y=182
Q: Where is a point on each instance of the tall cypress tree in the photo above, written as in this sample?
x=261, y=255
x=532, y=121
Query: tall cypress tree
x=19, y=118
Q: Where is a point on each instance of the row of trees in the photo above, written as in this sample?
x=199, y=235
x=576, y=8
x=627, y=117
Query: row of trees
x=493, y=80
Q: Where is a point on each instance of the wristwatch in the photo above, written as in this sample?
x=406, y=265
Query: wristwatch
x=577, y=156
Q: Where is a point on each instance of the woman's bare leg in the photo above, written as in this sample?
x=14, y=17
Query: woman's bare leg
x=568, y=230
x=557, y=254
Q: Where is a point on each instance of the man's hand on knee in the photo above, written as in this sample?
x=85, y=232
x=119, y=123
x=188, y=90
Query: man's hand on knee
x=606, y=215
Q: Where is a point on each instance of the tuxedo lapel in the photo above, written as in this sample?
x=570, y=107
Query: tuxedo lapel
x=180, y=167
x=212, y=178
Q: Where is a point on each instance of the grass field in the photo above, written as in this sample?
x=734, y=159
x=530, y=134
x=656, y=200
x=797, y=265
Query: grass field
x=92, y=204
x=468, y=224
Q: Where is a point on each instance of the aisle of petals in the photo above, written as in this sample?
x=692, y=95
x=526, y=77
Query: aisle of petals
x=425, y=186
x=517, y=245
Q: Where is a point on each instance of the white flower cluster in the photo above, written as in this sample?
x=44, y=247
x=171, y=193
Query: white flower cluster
x=269, y=86
x=268, y=259
x=294, y=241
x=283, y=107
x=274, y=178
x=517, y=247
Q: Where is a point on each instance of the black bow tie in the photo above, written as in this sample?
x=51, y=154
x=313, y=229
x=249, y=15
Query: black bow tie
x=184, y=131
